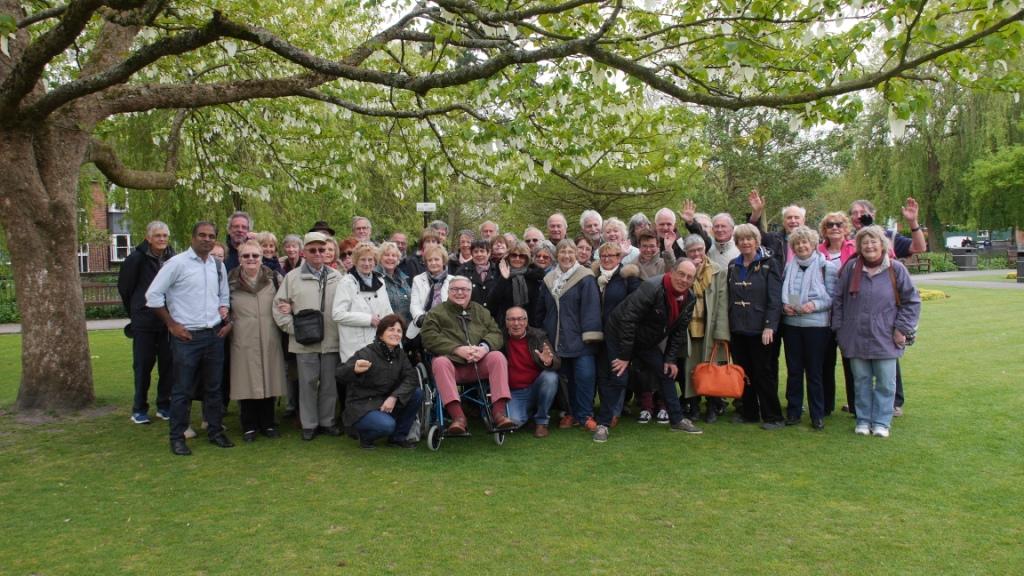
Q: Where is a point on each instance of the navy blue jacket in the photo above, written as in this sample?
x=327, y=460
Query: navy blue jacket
x=573, y=321
x=622, y=283
x=755, y=295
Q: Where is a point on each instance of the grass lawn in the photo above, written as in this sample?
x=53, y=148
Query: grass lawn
x=95, y=494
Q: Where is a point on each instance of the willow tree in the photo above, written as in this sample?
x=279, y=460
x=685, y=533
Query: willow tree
x=490, y=92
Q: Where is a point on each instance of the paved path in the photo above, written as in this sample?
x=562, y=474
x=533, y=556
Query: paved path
x=964, y=279
x=111, y=324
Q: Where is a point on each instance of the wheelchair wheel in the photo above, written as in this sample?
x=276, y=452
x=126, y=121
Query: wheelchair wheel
x=434, y=438
x=499, y=438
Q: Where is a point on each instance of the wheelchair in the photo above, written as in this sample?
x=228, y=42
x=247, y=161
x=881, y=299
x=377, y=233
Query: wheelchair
x=432, y=417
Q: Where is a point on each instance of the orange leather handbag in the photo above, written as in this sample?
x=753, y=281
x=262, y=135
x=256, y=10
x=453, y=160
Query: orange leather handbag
x=720, y=381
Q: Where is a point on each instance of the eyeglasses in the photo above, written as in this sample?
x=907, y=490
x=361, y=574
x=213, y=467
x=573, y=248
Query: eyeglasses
x=834, y=224
x=516, y=319
x=460, y=289
x=316, y=250
x=250, y=256
x=516, y=255
x=532, y=240
x=615, y=255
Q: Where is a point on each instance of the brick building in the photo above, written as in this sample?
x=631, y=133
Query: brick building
x=106, y=218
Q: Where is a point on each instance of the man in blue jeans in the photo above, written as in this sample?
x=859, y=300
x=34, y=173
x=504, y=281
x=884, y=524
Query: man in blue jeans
x=190, y=295
x=532, y=371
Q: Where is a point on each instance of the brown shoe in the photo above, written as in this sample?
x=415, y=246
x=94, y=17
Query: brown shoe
x=541, y=431
x=590, y=424
x=503, y=422
x=567, y=421
x=457, y=427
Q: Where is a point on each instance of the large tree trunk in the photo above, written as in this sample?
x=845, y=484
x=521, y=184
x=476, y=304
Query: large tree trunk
x=39, y=213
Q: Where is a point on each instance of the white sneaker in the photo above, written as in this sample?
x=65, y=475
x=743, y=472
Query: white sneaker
x=862, y=430
x=880, y=431
x=662, y=417
x=644, y=418
x=601, y=434
x=190, y=433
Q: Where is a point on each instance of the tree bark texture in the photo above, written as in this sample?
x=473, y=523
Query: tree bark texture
x=38, y=210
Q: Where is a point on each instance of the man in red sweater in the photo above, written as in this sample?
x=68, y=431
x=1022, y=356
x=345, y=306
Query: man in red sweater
x=532, y=371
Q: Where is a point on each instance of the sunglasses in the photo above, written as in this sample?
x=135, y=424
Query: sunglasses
x=834, y=224
x=533, y=241
x=615, y=255
x=316, y=250
x=346, y=254
x=250, y=256
x=516, y=255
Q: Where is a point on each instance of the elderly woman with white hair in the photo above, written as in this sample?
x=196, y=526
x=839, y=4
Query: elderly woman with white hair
x=544, y=255
x=360, y=301
x=615, y=232
x=807, y=289
x=875, y=315
x=755, y=307
x=292, y=258
x=571, y=309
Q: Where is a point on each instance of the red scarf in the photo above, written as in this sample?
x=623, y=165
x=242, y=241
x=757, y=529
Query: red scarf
x=858, y=270
x=673, y=299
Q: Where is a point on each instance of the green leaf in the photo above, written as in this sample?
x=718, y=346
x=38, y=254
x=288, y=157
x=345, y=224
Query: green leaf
x=7, y=24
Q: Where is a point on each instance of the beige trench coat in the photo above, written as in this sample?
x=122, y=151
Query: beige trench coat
x=257, y=359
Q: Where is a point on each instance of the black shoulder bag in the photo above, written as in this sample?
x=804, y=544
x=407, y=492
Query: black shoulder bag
x=309, y=323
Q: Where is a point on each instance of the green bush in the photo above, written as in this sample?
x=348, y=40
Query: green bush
x=941, y=261
x=9, y=313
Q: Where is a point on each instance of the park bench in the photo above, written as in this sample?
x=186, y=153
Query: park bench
x=100, y=293
x=918, y=263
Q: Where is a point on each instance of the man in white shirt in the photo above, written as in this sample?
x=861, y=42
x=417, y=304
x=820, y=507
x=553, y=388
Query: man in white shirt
x=190, y=295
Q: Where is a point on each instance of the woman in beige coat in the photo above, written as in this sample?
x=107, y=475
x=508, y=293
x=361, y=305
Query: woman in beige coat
x=257, y=359
x=710, y=324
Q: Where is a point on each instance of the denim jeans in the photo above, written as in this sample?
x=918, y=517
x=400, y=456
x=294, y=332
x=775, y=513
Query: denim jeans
x=610, y=388
x=875, y=385
x=540, y=394
x=651, y=363
x=376, y=424
x=582, y=373
x=149, y=348
x=200, y=359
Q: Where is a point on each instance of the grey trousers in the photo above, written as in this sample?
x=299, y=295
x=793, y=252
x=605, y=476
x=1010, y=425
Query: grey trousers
x=318, y=394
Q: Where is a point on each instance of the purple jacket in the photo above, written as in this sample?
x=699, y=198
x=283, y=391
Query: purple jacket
x=864, y=322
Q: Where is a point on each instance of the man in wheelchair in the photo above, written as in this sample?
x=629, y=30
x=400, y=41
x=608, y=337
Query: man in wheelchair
x=465, y=342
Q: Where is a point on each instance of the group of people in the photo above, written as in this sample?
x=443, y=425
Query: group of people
x=624, y=311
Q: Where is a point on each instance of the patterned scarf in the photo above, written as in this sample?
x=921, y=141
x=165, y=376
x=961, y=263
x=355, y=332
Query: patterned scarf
x=700, y=284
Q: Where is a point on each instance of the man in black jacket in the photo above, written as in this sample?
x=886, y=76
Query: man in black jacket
x=150, y=344
x=656, y=312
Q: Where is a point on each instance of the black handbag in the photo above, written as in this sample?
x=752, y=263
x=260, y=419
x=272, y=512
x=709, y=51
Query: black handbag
x=309, y=323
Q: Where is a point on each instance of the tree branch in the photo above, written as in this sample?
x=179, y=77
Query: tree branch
x=28, y=69
x=106, y=160
x=652, y=79
x=40, y=16
x=393, y=113
x=178, y=44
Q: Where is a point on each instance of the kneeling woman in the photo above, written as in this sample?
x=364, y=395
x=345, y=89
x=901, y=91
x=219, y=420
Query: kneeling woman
x=383, y=394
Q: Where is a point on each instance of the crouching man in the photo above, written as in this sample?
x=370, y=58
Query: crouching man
x=532, y=371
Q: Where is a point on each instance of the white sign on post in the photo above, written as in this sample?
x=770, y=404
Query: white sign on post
x=426, y=206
